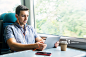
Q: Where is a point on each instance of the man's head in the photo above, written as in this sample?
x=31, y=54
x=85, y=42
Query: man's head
x=22, y=13
x=21, y=8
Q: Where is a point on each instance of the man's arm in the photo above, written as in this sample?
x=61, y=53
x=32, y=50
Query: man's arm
x=18, y=46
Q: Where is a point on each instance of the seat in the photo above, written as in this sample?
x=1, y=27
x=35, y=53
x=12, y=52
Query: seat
x=1, y=22
x=8, y=19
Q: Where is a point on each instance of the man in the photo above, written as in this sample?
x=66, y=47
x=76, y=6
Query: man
x=20, y=36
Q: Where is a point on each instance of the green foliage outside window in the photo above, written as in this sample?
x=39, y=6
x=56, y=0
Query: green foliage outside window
x=61, y=17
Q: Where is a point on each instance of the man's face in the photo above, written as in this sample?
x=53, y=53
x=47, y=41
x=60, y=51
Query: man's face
x=23, y=17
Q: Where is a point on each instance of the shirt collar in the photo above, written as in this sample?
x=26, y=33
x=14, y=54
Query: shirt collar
x=19, y=25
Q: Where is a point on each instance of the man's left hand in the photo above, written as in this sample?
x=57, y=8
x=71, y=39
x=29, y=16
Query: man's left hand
x=57, y=44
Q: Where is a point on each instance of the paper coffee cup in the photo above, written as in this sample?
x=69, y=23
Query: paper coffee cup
x=63, y=45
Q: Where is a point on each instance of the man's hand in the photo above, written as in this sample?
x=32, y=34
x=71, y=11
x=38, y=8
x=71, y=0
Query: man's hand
x=57, y=44
x=40, y=46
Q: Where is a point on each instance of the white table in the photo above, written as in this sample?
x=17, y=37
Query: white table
x=56, y=52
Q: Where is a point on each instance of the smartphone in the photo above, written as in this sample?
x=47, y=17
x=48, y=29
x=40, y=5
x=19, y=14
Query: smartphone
x=43, y=53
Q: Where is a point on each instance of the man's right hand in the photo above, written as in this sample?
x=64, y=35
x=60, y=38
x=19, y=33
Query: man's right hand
x=40, y=46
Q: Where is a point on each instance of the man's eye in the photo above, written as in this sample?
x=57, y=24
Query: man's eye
x=23, y=15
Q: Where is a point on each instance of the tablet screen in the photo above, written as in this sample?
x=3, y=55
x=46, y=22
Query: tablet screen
x=50, y=41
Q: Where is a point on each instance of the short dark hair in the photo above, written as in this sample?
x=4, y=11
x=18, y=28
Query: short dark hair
x=20, y=8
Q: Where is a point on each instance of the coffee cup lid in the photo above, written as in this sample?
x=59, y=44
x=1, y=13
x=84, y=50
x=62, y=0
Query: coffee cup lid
x=63, y=42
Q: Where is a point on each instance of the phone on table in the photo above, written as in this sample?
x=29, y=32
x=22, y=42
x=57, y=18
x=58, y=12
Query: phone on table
x=43, y=53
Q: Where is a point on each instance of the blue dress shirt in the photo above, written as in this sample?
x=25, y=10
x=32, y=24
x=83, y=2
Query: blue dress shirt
x=24, y=36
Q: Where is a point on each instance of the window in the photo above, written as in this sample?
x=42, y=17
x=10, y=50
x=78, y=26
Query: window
x=61, y=17
x=8, y=6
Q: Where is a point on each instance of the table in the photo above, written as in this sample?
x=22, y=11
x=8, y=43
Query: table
x=56, y=52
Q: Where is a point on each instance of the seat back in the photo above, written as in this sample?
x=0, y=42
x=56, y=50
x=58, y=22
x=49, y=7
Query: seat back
x=5, y=19
x=8, y=19
x=1, y=27
x=1, y=23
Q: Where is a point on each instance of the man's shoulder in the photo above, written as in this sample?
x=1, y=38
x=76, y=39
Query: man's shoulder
x=10, y=26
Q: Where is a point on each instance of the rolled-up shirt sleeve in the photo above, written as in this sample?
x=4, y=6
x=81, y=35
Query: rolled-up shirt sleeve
x=35, y=33
x=8, y=33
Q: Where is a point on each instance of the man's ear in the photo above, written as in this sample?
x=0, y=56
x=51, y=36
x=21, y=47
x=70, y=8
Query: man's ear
x=16, y=16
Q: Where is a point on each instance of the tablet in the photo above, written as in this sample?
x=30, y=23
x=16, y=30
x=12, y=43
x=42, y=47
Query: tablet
x=50, y=41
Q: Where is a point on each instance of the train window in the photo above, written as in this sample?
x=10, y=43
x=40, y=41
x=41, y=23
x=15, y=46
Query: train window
x=61, y=17
x=7, y=6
